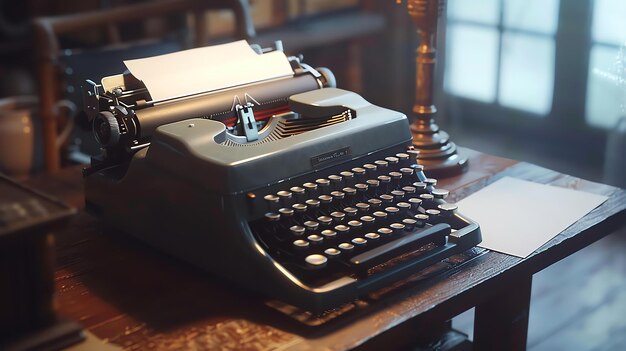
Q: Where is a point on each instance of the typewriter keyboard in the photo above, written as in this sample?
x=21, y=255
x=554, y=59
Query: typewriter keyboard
x=356, y=219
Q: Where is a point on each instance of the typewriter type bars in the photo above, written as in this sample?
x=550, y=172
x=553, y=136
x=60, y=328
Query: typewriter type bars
x=362, y=221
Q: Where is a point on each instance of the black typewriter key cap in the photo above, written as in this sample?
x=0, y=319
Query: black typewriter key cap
x=395, y=178
x=404, y=159
x=350, y=194
x=386, y=198
x=329, y=234
x=421, y=220
x=361, y=191
x=348, y=178
x=420, y=187
x=426, y=197
x=316, y=261
x=299, y=193
x=370, y=169
x=350, y=211
x=272, y=217
x=286, y=212
x=397, y=227
x=430, y=181
x=301, y=244
x=297, y=230
x=415, y=203
x=367, y=221
x=372, y=185
x=315, y=239
x=331, y=252
x=359, y=242
x=409, y=224
x=311, y=189
x=398, y=194
x=338, y=216
x=359, y=173
x=312, y=203
x=299, y=208
x=325, y=201
x=447, y=208
x=392, y=160
x=325, y=221
x=323, y=185
x=374, y=203
x=412, y=154
x=407, y=175
x=409, y=190
x=440, y=193
x=337, y=195
x=379, y=216
x=335, y=181
x=404, y=207
x=311, y=225
x=433, y=212
x=285, y=198
x=273, y=202
x=372, y=236
x=342, y=230
x=385, y=183
x=381, y=166
x=392, y=212
x=362, y=207
x=346, y=247
x=355, y=225
x=384, y=232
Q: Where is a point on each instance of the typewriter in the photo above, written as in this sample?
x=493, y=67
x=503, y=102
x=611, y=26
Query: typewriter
x=310, y=195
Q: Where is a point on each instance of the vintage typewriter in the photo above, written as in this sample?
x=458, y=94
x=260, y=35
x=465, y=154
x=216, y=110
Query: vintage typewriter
x=310, y=195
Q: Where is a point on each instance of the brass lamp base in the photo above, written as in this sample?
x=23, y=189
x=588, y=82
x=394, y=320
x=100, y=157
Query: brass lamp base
x=437, y=153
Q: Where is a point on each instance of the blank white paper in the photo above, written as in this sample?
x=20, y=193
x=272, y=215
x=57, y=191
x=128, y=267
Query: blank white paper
x=207, y=69
x=516, y=216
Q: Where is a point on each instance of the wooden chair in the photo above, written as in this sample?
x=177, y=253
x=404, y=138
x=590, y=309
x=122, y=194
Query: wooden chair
x=47, y=32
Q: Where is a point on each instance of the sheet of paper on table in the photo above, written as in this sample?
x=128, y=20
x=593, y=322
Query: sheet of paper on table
x=516, y=216
x=207, y=69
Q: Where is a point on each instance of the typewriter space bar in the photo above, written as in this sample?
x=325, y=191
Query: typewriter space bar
x=435, y=234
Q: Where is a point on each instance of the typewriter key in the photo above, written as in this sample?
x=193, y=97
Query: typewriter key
x=409, y=223
x=432, y=212
x=426, y=197
x=332, y=252
x=361, y=189
x=312, y=203
x=420, y=219
x=311, y=225
x=272, y=202
x=350, y=192
x=415, y=203
x=325, y=199
x=323, y=184
x=315, y=239
x=325, y=220
x=440, y=193
x=286, y=212
x=359, y=172
x=342, y=229
x=311, y=188
x=447, y=208
x=403, y=206
x=397, y=227
x=329, y=234
x=297, y=230
x=395, y=175
x=285, y=195
x=359, y=241
x=337, y=195
x=407, y=175
x=420, y=186
x=350, y=211
x=409, y=189
x=372, y=185
x=392, y=211
x=430, y=181
x=372, y=236
x=385, y=198
x=355, y=224
x=398, y=194
x=374, y=202
x=381, y=165
x=316, y=261
x=362, y=207
x=299, y=192
x=380, y=215
x=300, y=244
x=392, y=160
x=338, y=216
x=402, y=156
x=299, y=208
x=384, y=231
x=346, y=247
x=370, y=169
x=335, y=181
x=272, y=217
x=367, y=220
x=348, y=178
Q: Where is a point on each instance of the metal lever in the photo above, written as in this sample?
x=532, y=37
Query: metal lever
x=246, y=118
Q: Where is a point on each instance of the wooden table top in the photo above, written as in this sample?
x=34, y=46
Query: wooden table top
x=132, y=296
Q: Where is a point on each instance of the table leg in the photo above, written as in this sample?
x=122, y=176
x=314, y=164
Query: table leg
x=501, y=323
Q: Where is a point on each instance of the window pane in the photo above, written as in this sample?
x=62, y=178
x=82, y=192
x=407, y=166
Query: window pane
x=483, y=11
x=609, y=21
x=527, y=73
x=534, y=15
x=471, y=61
x=606, y=89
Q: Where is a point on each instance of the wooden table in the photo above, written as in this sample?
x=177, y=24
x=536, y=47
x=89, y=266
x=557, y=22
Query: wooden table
x=127, y=293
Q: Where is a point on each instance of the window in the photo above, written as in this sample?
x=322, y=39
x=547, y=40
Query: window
x=502, y=52
x=606, y=82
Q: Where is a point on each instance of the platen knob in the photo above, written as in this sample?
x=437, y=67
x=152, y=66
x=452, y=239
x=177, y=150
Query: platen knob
x=106, y=129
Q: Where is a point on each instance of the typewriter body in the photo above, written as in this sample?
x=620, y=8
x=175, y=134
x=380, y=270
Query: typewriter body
x=319, y=206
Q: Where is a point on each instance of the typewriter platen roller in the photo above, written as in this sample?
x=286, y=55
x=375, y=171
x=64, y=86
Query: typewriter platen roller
x=324, y=206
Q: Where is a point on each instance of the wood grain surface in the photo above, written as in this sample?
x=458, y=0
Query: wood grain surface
x=134, y=297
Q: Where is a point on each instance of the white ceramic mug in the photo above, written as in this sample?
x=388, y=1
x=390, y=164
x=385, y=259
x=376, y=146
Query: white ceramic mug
x=19, y=128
